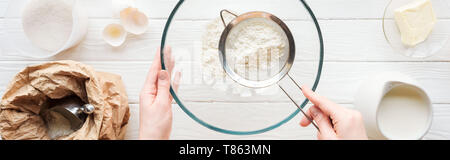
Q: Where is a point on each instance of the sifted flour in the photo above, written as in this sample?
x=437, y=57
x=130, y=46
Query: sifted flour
x=254, y=46
x=212, y=68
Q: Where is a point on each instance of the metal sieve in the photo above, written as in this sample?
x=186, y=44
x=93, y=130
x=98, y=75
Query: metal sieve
x=281, y=75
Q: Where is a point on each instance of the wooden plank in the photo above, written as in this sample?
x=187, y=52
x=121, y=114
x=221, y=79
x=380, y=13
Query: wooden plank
x=186, y=128
x=290, y=9
x=440, y=128
x=93, y=46
x=156, y=9
x=355, y=48
x=3, y=7
x=339, y=82
x=344, y=41
x=243, y=115
x=232, y=116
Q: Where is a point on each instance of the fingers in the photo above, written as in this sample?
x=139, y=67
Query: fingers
x=149, y=89
x=176, y=83
x=325, y=105
x=169, y=61
x=172, y=66
x=305, y=122
x=150, y=85
x=324, y=124
x=312, y=96
x=157, y=83
x=163, y=96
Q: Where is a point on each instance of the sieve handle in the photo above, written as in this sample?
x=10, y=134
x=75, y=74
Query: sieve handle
x=284, y=88
x=221, y=16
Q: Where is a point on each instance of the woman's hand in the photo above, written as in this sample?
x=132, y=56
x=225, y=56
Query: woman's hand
x=334, y=121
x=155, y=101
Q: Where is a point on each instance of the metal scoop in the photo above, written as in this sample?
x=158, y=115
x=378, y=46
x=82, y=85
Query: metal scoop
x=73, y=109
x=280, y=75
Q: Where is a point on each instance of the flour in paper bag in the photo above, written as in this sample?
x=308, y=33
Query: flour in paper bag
x=57, y=125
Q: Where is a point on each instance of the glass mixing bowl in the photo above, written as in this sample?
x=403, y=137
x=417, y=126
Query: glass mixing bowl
x=207, y=95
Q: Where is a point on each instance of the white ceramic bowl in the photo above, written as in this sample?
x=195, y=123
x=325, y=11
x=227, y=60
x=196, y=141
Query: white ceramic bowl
x=19, y=43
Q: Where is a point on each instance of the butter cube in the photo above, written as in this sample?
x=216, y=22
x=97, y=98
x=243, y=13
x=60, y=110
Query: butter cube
x=415, y=21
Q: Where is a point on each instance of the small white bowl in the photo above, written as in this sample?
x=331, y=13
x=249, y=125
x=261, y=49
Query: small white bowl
x=79, y=30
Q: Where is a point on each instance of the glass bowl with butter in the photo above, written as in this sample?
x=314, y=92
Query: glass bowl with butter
x=207, y=95
x=417, y=28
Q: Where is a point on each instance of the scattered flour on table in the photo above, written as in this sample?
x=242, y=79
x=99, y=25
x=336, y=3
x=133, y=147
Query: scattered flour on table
x=212, y=67
x=248, y=45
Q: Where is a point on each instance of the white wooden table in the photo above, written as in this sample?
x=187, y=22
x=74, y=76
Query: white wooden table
x=355, y=48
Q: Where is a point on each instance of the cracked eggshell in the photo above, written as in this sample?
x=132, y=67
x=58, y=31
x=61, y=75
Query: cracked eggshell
x=114, y=34
x=118, y=5
x=133, y=20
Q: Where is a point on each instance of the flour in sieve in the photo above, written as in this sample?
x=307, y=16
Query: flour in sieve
x=248, y=45
x=255, y=45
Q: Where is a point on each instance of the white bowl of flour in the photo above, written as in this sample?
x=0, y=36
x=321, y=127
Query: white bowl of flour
x=52, y=26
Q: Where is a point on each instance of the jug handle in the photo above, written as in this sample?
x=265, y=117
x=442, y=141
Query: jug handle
x=221, y=16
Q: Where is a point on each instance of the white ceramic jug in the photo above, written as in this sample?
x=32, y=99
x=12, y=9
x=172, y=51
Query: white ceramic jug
x=394, y=106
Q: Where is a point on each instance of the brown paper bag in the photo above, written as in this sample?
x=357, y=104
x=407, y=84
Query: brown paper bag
x=33, y=86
